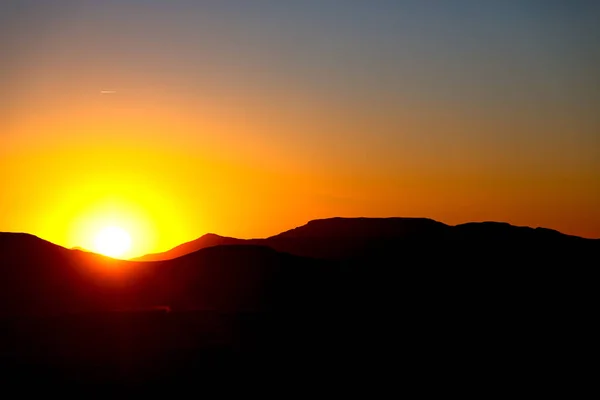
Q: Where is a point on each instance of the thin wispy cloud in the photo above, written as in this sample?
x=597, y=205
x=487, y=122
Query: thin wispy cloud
x=108, y=91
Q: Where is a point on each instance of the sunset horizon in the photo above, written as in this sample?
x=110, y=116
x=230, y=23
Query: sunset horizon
x=171, y=120
x=399, y=194
x=117, y=249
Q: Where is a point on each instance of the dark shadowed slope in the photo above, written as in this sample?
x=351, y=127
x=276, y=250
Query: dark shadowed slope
x=372, y=228
x=349, y=238
x=485, y=295
x=69, y=317
x=40, y=278
x=344, y=261
x=208, y=240
x=325, y=238
x=236, y=278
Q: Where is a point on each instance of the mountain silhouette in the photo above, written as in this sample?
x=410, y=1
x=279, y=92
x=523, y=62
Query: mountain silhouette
x=379, y=263
x=81, y=249
x=208, y=240
x=39, y=277
x=345, y=254
x=348, y=238
x=42, y=278
x=343, y=294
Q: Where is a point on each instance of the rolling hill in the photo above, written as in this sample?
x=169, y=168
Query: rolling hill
x=208, y=240
x=349, y=295
x=40, y=278
x=348, y=238
x=332, y=260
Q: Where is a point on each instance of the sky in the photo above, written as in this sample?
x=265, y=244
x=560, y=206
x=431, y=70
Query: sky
x=245, y=118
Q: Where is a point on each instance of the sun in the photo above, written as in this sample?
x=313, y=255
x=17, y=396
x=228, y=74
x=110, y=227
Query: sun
x=112, y=241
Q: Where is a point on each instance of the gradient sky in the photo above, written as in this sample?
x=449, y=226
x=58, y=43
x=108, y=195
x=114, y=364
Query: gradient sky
x=245, y=118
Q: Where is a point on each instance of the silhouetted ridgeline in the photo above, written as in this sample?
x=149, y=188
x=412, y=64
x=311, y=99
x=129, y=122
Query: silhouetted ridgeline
x=325, y=262
x=348, y=292
x=349, y=238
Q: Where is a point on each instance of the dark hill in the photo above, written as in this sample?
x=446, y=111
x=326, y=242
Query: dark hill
x=411, y=292
x=351, y=238
x=39, y=277
x=208, y=240
x=233, y=278
x=355, y=261
x=42, y=278
x=372, y=228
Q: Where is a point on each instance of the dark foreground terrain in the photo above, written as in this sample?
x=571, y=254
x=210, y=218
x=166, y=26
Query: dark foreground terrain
x=343, y=304
x=152, y=350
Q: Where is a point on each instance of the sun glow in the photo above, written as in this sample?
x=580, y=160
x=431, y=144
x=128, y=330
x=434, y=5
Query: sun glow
x=112, y=241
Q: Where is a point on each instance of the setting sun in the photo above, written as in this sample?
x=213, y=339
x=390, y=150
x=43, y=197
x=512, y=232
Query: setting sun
x=112, y=241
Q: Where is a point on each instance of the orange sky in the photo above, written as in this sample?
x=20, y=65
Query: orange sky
x=229, y=131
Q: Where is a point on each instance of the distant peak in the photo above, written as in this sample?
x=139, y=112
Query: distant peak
x=364, y=227
x=18, y=234
x=20, y=238
x=210, y=235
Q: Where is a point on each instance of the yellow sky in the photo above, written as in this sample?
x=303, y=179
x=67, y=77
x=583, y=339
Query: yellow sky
x=146, y=172
x=174, y=119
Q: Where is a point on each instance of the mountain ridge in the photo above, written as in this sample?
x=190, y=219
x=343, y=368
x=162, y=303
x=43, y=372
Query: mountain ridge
x=326, y=257
x=439, y=292
x=342, y=226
